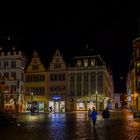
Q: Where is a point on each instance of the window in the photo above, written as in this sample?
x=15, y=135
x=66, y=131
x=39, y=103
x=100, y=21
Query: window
x=35, y=67
x=138, y=67
x=63, y=76
x=79, y=63
x=13, y=64
x=137, y=53
x=86, y=62
x=13, y=75
x=5, y=64
x=100, y=82
x=57, y=66
x=13, y=89
x=93, y=82
x=79, y=84
x=6, y=75
x=92, y=62
x=85, y=83
x=85, y=76
x=34, y=78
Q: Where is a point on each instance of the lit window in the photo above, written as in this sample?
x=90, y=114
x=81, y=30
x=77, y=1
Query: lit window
x=138, y=67
x=92, y=62
x=86, y=62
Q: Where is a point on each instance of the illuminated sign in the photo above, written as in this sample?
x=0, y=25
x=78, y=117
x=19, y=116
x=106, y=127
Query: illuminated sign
x=56, y=97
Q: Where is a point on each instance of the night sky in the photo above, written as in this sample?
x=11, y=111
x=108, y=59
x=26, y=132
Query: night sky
x=107, y=28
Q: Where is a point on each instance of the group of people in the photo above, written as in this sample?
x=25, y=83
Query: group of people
x=93, y=115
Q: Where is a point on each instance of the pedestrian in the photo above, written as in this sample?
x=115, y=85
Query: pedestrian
x=106, y=115
x=32, y=110
x=89, y=113
x=94, y=116
x=50, y=108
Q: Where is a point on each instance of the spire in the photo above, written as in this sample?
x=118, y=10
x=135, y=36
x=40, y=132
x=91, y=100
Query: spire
x=35, y=54
x=57, y=53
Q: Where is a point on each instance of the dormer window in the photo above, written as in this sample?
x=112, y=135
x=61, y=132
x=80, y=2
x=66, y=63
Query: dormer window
x=85, y=62
x=92, y=62
x=57, y=66
x=79, y=63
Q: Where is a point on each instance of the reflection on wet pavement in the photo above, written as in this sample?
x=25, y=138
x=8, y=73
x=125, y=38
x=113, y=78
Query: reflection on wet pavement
x=73, y=126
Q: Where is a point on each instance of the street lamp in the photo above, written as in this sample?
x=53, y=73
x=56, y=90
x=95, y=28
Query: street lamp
x=96, y=100
x=32, y=97
x=32, y=101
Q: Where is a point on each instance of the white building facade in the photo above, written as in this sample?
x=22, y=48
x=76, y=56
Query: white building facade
x=12, y=64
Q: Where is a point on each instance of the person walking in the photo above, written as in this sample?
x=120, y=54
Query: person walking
x=50, y=108
x=106, y=115
x=94, y=116
x=89, y=113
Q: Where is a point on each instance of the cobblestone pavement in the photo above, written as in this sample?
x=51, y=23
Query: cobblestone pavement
x=72, y=126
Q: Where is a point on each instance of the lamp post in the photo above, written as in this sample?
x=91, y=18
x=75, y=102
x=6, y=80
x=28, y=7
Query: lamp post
x=32, y=97
x=96, y=100
x=32, y=101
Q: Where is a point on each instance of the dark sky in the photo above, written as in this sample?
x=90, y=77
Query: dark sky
x=108, y=28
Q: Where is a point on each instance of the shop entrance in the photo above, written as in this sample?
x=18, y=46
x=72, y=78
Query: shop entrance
x=57, y=106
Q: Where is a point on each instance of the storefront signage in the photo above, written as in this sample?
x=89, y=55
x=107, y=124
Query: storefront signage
x=56, y=97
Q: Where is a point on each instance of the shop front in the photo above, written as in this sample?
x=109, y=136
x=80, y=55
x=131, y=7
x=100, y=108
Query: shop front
x=81, y=105
x=91, y=104
x=38, y=106
x=57, y=103
x=85, y=104
x=10, y=106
